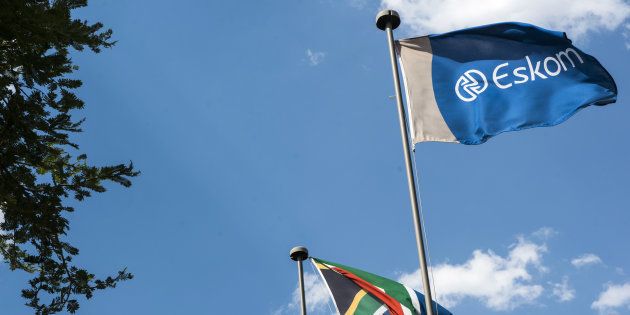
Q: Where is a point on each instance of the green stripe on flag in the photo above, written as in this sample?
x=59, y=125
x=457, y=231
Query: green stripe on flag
x=368, y=305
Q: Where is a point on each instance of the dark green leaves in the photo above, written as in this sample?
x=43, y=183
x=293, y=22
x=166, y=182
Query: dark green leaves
x=38, y=170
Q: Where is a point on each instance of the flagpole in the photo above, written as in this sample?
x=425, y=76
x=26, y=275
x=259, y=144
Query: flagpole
x=299, y=254
x=388, y=20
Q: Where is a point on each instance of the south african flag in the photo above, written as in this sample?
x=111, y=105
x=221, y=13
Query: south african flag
x=356, y=292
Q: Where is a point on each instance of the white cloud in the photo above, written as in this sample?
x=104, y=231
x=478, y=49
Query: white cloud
x=315, y=57
x=562, y=291
x=501, y=283
x=358, y=4
x=578, y=18
x=318, y=301
x=613, y=298
x=545, y=233
x=586, y=260
x=1, y=217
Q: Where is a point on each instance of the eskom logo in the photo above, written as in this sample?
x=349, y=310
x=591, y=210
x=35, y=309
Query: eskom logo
x=473, y=82
x=470, y=85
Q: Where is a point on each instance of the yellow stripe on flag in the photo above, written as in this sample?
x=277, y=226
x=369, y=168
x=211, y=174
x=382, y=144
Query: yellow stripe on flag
x=355, y=302
x=320, y=265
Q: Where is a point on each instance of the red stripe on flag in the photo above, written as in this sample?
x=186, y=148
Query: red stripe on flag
x=394, y=306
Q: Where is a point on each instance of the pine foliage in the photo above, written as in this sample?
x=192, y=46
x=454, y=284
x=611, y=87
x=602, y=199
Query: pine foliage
x=41, y=169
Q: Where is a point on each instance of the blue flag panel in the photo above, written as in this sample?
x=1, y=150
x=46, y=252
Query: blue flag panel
x=496, y=78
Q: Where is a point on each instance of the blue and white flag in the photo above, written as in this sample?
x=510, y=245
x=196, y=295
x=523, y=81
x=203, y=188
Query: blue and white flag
x=467, y=86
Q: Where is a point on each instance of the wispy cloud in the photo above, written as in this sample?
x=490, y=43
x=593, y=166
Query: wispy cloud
x=358, y=4
x=612, y=299
x=579, y=18
x=545, y=233
x=586, y=260
x=315, y=57
x=317, y=298
x=501, y=283
x=562, y=291
x=1, y=218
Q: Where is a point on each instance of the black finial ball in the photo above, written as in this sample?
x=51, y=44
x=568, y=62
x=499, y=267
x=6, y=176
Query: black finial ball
x=299, y=253
x=387, y=17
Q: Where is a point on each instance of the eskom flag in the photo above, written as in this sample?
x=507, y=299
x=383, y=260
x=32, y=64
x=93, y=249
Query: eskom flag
x=469, y=85
x=356, y=292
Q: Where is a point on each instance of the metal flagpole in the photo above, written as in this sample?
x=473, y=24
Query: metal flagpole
x=299, y=254
x=388, y=20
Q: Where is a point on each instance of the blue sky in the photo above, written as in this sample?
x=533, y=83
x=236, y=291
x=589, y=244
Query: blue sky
x=265, y=125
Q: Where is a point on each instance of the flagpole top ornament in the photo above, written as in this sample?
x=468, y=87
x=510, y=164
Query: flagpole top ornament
x=298, y=253
x=387, y=18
